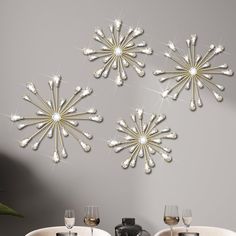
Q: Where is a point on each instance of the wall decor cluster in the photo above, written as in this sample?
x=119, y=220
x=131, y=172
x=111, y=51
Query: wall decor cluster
x=118, y=51
x=143, y=140
x=57, y=118
x=193, y=72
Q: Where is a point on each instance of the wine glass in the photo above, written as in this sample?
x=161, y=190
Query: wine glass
x=69, y=219
x=171, y=216
x=91, y=217
x=187, y=218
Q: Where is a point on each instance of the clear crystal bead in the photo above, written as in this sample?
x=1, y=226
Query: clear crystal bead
x=160, y=118
x=157, y=140
x=85, y=146
x=74, y=122
x=24, y=142
x=122, y=123
x=99, y=32
x=57, y=80
x=21, y=126
x=40, y=113
x=35, y=146
x=77, y=90
x=96, y=118
x=219, y=49
x=141, y=154
x=151, y=150
x=228, y=72
x=27, y=98
x=87, y=91
x=118, y=149
x=218, y=97
x=98, y=73
x=64, y=153
x=113, y=143
x=140, y=72
x=50, y=133
x=62, y=102
x=166, y=54
x=193, y=105
x=172, y=135
x=199, y=102
x=200, y=84
x=119, y=81
x=193, y=39
x=175, y=96
x=92, y=111
x=147, y=51
x=137, y=31
x=158, y=72
x=171, y=46
x=125, y=164
x=64, y=132
x=166, y=157
x=140, y=113
x=72, y=110
x=147, y=168
x=92, y=57
x=56, y=157
x=88, y=51
x=31, y=88
x=165, y=93
x=88, y=135
x=133, y=162
x=15, y=117
x=40, y=125
x=133, y=117
x=50, y=83
x=220, y=87
x=117, y=24
x=224, y=66
x=142, y=44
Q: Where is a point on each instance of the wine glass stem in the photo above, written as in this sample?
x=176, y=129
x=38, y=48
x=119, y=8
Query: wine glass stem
x=171, y=231
x=69, y=232
x=187, y=229
x=91, y=231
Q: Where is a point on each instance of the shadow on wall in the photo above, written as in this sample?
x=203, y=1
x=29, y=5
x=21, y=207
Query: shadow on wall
x=22, y=191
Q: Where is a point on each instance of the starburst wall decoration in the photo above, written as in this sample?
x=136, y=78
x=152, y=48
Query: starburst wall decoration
x=57, y=118
x=193, y=72
x=143, y=140
x=118, y=52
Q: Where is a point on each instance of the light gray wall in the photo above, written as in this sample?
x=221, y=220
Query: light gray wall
x=41, y=38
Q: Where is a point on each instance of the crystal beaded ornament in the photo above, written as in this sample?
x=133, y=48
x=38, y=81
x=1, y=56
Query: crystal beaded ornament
x=118, y=52
x=143, y=140
x=193, y=72
x=57, y=118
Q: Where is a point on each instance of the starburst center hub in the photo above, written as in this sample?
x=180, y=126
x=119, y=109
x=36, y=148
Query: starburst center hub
x=56, y=117
x=118, y=51
x=192, y=71
x=143, y=139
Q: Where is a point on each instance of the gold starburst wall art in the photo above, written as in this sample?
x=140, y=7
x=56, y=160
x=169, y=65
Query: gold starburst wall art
x=193, y=72
x=118, y=51
x=57, y=118
x=143, y=140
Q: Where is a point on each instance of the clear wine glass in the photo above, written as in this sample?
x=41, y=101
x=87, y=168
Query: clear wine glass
x=187, y=218
x=69, y=219
x=171, y=216
x=91, y=217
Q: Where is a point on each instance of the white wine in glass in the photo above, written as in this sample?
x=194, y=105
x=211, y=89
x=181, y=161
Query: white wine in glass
x=171, y=216
x=91, y=217
x=187, y=218
x=69, y=219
